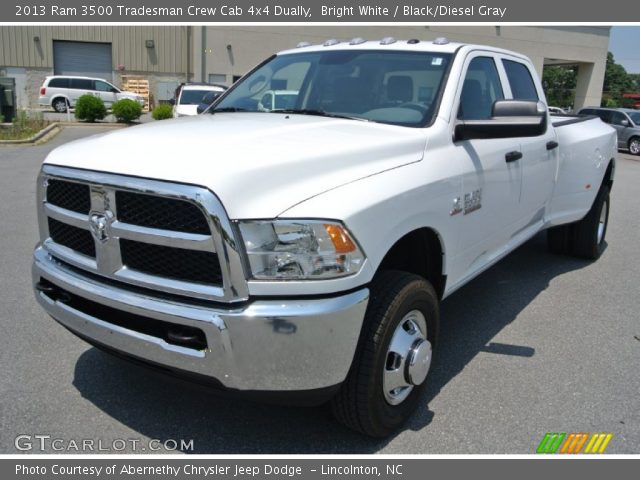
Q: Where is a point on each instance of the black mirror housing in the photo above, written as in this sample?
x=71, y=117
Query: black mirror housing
x=509, y=119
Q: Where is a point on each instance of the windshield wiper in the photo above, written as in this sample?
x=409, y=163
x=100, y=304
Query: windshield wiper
x=318, y=113
x=227, y=109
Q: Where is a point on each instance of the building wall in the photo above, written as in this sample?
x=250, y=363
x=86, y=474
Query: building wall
x=232, y=51
x=33, y=60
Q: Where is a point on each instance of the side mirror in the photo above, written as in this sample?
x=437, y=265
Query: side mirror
x=624, y=123
x=172, y=101
x=202, y=107
x=509, y=119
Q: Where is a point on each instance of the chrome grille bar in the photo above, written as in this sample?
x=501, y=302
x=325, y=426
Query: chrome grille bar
x=107, y=231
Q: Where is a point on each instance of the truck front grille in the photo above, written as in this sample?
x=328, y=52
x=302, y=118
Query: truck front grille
x=176, y=263
x=160, y=212
x=69, y=195
x=72, y=237
x=147, y=233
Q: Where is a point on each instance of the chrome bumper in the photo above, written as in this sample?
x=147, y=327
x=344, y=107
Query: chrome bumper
x=266, y=345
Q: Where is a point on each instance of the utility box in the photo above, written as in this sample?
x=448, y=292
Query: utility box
x=8, y=98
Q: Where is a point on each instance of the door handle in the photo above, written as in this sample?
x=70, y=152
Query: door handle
x=552, y=144
x=513, y=156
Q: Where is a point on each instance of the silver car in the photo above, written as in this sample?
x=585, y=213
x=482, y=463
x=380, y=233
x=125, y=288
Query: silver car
x=625, y=121
x=61, y=91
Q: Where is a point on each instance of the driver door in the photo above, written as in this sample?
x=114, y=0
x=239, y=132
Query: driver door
x=488, y=204
x=106, y=92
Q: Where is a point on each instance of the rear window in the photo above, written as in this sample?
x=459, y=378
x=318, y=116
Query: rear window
x=192, y=97
x=81, y=84
x=59, y=83
x=522, y=86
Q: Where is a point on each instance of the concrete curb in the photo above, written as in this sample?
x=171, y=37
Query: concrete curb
x=52, y=130
x=49, y=132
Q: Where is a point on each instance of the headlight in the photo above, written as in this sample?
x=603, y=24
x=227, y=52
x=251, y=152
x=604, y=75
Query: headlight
x=299, y=250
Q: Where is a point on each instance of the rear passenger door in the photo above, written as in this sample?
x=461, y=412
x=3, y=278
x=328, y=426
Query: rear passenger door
x=539, y=154
x=79, y=87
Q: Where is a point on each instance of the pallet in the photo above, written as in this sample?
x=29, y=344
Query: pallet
x=139, y=85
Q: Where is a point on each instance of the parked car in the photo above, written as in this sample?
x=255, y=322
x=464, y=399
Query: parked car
x=61, y=91
x=626, y=122
x=191, y=95
x=301, y=253
x=278, y=100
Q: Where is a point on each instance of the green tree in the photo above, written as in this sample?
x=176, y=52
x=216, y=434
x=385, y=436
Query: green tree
x=559, y=83
x=616, y=82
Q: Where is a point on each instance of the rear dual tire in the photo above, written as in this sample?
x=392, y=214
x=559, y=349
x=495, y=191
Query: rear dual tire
x=585, y=238
x=393, y=357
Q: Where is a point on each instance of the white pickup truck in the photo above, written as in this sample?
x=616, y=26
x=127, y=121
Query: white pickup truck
x=300, y=254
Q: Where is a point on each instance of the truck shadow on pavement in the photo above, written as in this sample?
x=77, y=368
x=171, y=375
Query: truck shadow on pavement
x=161, y=408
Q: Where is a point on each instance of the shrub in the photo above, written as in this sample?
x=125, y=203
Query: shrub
x=162, y=112
x=126, y=110
x=90, y=108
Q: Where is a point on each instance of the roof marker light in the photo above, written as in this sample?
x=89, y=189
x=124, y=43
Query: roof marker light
x=441, y=41
x=387, y=41
x=413, y=41
x=303, y=44
x=331, y=41
x=357, y=41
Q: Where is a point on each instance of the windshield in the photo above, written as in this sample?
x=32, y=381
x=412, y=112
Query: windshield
x=192, y=97
x=635, y=117
x=394, y=87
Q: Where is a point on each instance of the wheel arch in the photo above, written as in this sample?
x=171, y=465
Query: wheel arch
x=58, y=97
x=609, y=173
x=420, y=252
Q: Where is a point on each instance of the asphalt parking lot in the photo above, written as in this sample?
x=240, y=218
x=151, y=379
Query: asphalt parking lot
x=539, y=343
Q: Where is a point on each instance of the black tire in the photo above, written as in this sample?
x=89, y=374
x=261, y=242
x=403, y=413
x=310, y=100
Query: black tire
x=634, y=146
x=360, y=404
x=59, y=105
x=559, y=239
x=586, y=241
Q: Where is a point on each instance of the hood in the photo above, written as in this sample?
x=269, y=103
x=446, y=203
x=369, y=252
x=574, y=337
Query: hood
x=258, y=164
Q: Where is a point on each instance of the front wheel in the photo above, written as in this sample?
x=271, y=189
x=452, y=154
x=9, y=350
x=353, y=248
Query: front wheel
x=393, y=357
x=634, y=146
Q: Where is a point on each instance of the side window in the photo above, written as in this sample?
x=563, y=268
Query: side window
x=522, y=86
x=103, y=86
x=59, y=83
x=617, y=118
x=81, y=84
x=480, y=90
x=605, y=115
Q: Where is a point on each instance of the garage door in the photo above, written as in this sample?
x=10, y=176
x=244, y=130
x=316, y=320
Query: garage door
x=83, y=59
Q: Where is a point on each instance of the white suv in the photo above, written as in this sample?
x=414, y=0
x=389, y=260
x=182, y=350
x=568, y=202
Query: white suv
x=192, y=95
x=60, y=91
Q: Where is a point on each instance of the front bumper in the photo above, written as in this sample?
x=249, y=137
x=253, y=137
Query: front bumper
x=264, y=345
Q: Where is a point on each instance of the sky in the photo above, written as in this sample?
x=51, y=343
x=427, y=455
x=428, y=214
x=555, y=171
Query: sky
x=624, y=43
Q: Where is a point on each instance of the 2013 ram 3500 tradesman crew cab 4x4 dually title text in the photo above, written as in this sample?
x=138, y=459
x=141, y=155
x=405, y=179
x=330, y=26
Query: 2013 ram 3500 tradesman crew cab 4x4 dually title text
x=302, y=251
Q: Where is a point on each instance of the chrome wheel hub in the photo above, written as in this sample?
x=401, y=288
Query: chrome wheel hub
x=635, y=147
x=408, y=358
x=602, y=222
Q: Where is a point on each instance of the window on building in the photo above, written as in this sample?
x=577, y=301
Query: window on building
x=217, y=78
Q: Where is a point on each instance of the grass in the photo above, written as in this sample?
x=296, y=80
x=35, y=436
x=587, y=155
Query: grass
x=24, y=126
